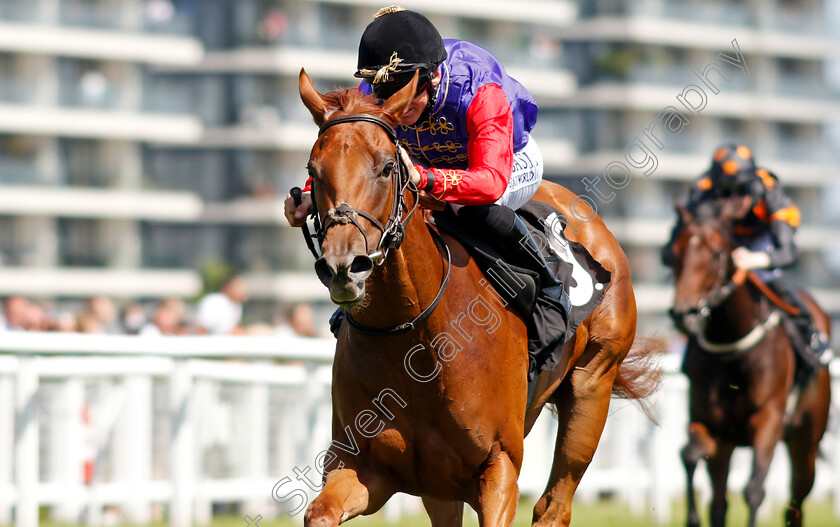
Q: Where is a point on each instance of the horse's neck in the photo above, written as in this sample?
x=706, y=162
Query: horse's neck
x=406, y=283
x=736, y=316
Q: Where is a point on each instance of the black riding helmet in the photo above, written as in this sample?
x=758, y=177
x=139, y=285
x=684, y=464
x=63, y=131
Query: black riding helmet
x=733, y=171
x=395, y=45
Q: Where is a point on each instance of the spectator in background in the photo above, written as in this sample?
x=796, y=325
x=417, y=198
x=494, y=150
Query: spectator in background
x=101, y=312
x=65, y=322
x=166, y=320
x=220, y=313
x=302, y=321
x=36, y=317
x=295, y=321
x=16, y=314
x=177, y=306
x=87, y=323
x=133, y=319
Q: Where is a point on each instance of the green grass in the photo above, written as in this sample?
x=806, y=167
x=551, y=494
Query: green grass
x=601, y=514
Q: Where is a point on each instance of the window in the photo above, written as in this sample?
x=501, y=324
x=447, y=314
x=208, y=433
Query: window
x=83, y=162
x=80, y=243
x=18, y=156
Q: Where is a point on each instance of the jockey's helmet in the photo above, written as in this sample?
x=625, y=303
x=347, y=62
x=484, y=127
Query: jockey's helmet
x=733, y=171
x=396, y=44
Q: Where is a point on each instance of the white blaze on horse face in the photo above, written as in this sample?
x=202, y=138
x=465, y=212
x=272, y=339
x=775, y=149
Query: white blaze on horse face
x=581, y=293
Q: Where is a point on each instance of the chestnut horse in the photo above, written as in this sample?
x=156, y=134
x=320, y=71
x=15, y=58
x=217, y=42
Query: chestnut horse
x=740, y=364
x=449, y=389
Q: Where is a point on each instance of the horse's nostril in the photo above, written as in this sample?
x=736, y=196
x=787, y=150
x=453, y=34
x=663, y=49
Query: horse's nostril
x=323, y=270
x=361, y=264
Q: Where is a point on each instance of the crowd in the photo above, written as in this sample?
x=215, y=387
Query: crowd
x=216, y=313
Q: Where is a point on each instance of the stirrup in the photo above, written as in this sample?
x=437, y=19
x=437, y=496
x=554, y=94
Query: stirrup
x=819, y=345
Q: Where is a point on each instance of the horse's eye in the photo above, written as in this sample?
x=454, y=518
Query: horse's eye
x=388, y=168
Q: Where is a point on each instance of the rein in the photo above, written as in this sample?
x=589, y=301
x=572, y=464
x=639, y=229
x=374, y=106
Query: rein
x=742, y=344
x=393, y=232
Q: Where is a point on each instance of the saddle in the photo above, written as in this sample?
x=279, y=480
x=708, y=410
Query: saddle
x=584, y=279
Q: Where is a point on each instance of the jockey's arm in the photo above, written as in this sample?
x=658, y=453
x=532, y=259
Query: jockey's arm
x=489, y=150
x=784, y=251
x=784, y=218
x=782, y=254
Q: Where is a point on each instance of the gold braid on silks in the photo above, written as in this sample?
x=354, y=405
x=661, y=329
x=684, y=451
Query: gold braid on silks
x=383, y=74
x=388, y=10
x=450, y=179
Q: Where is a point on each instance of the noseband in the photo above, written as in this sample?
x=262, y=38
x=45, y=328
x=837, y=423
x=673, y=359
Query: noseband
x=393, y=232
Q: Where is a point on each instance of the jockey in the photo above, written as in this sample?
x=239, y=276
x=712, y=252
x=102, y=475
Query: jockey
x=764, y=234
x=465, y=136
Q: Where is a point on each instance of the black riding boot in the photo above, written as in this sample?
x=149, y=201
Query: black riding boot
x=813, y=343
x=513, y=237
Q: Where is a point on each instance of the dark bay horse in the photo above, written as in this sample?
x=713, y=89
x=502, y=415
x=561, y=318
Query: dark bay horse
x=429, y=378
x=740, y=364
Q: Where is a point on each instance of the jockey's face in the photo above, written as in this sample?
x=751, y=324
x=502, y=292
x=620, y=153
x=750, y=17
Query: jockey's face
x=415, y=109
x=737, y=197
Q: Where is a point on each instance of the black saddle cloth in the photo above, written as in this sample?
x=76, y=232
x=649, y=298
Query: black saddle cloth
x=584, y=279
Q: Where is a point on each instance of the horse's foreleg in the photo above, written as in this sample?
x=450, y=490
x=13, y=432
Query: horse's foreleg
x=700, y=445
x=346, y=496
x=803, y=456
x=582, y=401
x=718, y=466
x=803, y=441
x=498, y=492
x=768, y=432
x=444, y=513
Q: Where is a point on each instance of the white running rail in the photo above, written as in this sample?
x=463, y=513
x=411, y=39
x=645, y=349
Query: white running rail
x=95, y=427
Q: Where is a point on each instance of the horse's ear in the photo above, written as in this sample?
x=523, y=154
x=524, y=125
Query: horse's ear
x=685, y=216
x=397, y=103
x=313, y=100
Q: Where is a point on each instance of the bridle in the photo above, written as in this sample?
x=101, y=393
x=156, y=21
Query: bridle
x=393, y=232
x=717, y=295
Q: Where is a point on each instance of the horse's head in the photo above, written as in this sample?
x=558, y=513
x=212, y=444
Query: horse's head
x=357, y=183
x=702, y=265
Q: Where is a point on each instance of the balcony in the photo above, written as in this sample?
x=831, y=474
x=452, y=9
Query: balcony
x=156, y=17
x=84, y=282
x=99, y=124
x=700, y=27
x=99, y=44
x=69, y=202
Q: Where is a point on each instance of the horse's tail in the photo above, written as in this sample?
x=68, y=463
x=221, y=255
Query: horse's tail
x=640, y=374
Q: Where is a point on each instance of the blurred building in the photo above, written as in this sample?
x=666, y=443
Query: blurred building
x=142, y=138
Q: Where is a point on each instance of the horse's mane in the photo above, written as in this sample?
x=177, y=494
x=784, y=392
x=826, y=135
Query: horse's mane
x=354, y=101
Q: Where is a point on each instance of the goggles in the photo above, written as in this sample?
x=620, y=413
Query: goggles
x=384, y=90
x=738, y=189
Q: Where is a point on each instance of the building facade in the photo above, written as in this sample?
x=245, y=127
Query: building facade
x=141, y=139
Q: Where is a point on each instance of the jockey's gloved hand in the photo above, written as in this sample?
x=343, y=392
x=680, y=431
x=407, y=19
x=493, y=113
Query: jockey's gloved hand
x=412, y=172
x=744, y=258
x=296, y=214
